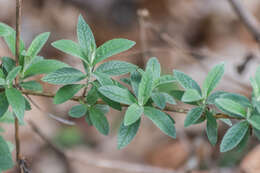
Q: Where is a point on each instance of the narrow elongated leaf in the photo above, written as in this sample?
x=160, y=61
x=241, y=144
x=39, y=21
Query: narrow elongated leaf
x=115, y=68
x=254, y=120
x=12, y=74
x=127, y=133
x=154, y=66
x=64, y=76
x=212, y=128
x=193, y=116
x=85, y=37
x=191, y=95
x=133, y=113
x=112, y=47
x=36, y=46
x=159, y=99
x=3, y=104
x=256, y=88
x=44, y=67
x=17, y=102
x=185, y=81
x=165, y=79
x=6, y=161
x=161, y=120
x=234, y=136
x=66, y=92
x=70, y=47
x=32, y=86
x=99, y=120
x=4, y=31
x=135, y=80
x=231, y=106
x=145, y=87
x=212, y=79
x=117, y=94
x=237, y=98
x=78, y=111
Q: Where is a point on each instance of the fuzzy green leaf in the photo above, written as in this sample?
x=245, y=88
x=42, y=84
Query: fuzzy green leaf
x=169, y=99
x=254, y=120
x=161, y=120
x=6, y=161
x=185, y=81
x=17, y=102
x=78, y=111
x=3, y=104
x=212, y=97
x=234, y=136
x=32, y=86
x=12, y=74
x=135, y=80
x=69, y=47
x=112, y=47
x=145, y=87
x=44, y=67
x=103, y=78
x=66, y=92
x=64, y=76
x=237, y=98
x=99, y=120
x=117, y=94
x=212, y=79
x=165, y=79
x=191, y=95
x=154, y=66
x=231, y=106
x=212, y=128
x=127, y=133
x=133, y=113
x=115, y=68
x=193, y=116
x=36, y=46
x=159, y=99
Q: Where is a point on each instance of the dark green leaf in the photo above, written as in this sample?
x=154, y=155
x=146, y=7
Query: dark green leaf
x=145, y=87
x=193, y=116
x=127, y=133
x=32, y=86
x=3, y=104
x=78, y=111
x=135, y=79
x=66, y=92
x=8, y=64
x=212, y=128
x=12, y=74
x=99, y=120
x=92, y=96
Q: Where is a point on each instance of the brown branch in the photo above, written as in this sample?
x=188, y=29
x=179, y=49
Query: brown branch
x=247, y=18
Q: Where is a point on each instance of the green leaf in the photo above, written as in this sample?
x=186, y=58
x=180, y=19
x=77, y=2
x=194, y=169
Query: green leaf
x=191, y=95
x=133, y=113
x=212, y=128
x=117, y=94
x=159, y=99
x=161, y=120
x=213, y=78
x=103, y=78
x=6, y=161
x=78, y=111
x=145, y=87
x=165, y=79
x=86, y=38
x=66, y=92
x=115, y=68
x=234, y=136
x=212, y=97
x=4, y=31
x=169, y=99
x=17, y=102
x=69, y=47
x=44, y=67
x=254, y=120
x=3, y=104
x=193, y=116
x=8, y=64
x=92, y=96
x=99, y=120
x=2, y=75
x=135, y=80
x=127, y=133
x=2, y=81
x=231, y=106
x=126, y=81
x=185, y=81
x=12, y=74
x=154, y=66
x=237, y=98
x=64, y=76
x=32, y=86
x=36, y=46
x=112, y=47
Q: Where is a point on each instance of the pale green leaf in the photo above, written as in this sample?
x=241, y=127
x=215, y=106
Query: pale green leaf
x=159, y=99
x=32, y=86
x=154, y=66
x=135, y=80
x=145, y=87
x=12, y=74
x=165, y=79
x=254, y=120
x=191, y=95
x=103, y=78
x=193, y=116
x=6, y=161
x=133, y=113
x=212, y=128
x=231, y=106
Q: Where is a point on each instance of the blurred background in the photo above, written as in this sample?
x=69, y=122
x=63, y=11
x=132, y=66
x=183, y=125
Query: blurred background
x=188, y=35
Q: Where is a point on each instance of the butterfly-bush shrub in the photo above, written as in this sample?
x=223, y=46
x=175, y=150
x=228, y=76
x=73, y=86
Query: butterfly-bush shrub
x=140, y=92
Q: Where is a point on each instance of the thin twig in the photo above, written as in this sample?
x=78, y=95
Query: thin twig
x=247, y=18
